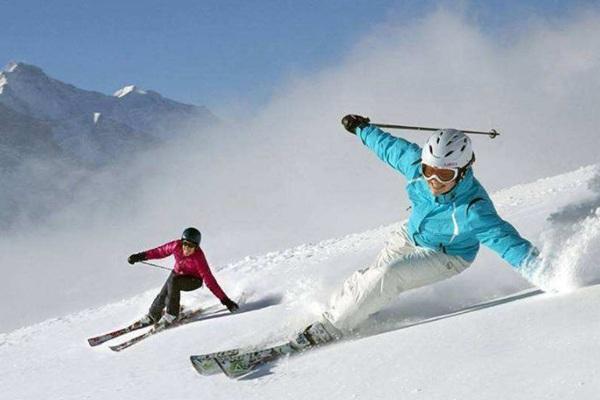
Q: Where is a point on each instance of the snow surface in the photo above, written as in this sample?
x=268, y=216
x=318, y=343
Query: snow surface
x=125, y=90
x=528, y=345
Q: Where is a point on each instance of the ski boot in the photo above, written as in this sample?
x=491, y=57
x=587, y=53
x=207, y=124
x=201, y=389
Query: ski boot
x=316, y=334
x=147, y=320
x=166, y=320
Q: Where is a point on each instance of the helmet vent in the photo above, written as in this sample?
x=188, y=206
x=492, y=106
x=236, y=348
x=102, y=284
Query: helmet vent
x=447, y=147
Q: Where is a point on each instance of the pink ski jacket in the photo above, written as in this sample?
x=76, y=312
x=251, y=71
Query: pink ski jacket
x=194, y=265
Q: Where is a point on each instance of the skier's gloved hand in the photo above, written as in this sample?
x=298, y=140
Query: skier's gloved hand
x=352, y=121
x=230, y=304
x=538, y=271
x=136, y=258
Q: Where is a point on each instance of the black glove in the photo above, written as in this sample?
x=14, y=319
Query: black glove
x=230, y=304
x=136, y=258
x=351, y=122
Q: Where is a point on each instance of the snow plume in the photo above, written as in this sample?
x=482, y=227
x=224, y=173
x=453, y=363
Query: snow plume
x=571, y=245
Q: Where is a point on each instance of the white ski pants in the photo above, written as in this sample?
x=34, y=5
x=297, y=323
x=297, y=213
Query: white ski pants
x=400, y=266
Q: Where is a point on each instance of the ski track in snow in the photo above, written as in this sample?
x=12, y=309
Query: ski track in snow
x=288, y=289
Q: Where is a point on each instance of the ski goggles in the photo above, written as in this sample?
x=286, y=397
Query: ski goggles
x=189, y=244
x=443, y=175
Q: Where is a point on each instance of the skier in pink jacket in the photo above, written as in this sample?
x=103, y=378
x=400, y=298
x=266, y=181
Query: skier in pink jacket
x=190, y=272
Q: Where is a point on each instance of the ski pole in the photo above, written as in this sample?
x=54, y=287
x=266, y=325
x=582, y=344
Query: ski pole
x=492, y=133
x=156, y=266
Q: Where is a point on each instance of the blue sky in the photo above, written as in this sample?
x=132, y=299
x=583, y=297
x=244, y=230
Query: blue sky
x=217, y=52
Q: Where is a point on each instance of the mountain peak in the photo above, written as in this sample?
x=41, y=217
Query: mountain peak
x=22, y=68
x=125, y=90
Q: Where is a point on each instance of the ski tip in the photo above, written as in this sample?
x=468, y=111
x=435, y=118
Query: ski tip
x=95, y=341
x=205, y=366
x=195, y=363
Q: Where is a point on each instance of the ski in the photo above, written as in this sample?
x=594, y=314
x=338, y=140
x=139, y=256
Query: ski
x=236, y=363
x=239, y=365
x=97, y=340
x=206, y=364
x=185, y=318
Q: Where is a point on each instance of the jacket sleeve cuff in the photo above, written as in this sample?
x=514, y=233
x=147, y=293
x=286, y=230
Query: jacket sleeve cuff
x=537, y=270
x=359, y=129
x=531, y=261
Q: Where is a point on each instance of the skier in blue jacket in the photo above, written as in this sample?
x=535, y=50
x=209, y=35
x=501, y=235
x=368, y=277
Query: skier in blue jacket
x=451, y=215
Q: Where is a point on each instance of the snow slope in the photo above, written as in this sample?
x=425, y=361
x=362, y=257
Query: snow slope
x=539, y=345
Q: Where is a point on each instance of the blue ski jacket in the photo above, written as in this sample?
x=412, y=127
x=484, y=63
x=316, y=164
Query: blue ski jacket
x=456, y=222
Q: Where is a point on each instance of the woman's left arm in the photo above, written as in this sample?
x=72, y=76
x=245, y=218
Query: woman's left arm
x=499, y=235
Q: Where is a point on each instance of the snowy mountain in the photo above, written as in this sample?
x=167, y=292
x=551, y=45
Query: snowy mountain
x=481, y=336
x=22, y=135
x=55, y=136
x=94, y=127
x=150, y=112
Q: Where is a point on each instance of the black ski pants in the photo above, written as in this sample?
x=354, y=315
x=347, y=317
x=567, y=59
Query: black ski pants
x=170, y=295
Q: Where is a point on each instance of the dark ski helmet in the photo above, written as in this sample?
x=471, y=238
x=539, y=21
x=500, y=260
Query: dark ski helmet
x=191, y=235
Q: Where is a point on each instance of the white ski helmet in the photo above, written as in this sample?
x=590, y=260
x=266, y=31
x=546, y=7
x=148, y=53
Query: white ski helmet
x=447, y=148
